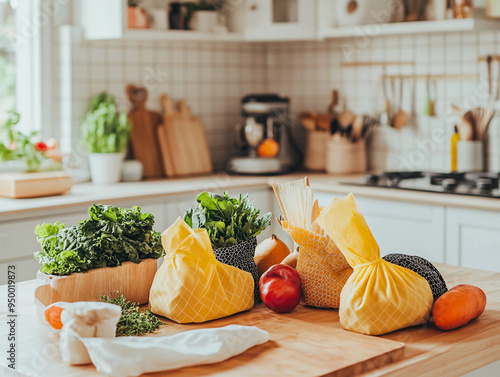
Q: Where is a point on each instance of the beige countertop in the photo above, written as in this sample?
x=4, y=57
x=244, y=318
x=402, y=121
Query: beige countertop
x=85, y=194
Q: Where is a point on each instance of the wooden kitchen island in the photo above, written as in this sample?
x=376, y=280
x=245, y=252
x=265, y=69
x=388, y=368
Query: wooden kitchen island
x=295, y=340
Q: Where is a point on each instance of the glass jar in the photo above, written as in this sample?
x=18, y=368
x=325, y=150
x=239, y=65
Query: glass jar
x=463, y=9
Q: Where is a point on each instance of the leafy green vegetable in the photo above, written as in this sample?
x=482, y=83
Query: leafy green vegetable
x=105, y=130
x=109, y=237
x=133, y=322
x=229, y=221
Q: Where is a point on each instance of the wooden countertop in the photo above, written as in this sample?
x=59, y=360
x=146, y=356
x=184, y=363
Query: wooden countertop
x=85, y=194
x=428, y=352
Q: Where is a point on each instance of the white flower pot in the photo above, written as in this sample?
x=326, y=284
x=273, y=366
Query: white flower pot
x=106, y=167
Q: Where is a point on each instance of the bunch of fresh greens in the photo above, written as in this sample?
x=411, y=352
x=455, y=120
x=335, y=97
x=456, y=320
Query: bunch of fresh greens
x=16, y=146
x=133, y=322
x=229, y=221
x=109, y=237
x=105, y=130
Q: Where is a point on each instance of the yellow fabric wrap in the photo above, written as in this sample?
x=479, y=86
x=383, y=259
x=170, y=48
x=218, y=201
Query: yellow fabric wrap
x=379, y=297
x=191, y=285
x=322, y=268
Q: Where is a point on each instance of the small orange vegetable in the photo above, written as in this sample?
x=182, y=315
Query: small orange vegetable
x=458, y=306
x=53, y=317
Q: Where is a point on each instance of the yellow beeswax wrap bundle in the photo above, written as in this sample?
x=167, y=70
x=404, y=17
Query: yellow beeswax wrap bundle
x=191, y=285
x=322, y=268
x=379, y=297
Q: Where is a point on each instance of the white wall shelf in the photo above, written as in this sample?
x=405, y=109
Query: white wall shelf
x=399, y=28
x=179, y=35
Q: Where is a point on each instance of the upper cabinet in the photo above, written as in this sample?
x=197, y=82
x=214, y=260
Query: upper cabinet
x=265, y=20
x=280, y=20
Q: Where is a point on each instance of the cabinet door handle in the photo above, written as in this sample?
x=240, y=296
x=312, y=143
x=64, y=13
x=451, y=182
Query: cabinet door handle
x=254, y=7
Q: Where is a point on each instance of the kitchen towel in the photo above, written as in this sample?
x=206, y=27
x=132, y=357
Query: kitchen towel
x=133, y=356
x=322, y=268
x=192, y=285
x=379, y=297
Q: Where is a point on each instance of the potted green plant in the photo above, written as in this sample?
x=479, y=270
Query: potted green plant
x=137, y=16
x=20, y=152
x=105, y=133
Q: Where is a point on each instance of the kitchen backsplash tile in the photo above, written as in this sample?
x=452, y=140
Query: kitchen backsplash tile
x=424, y=144
x=214, y=76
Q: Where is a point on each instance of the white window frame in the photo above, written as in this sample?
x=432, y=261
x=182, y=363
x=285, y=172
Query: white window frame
x=33, y=65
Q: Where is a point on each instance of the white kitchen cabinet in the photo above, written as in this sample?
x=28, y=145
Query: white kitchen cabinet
x=400, y=227
x=473, y=238
x=280, y=20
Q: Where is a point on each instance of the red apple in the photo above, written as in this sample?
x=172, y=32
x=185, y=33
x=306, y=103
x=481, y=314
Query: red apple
x=280, y=288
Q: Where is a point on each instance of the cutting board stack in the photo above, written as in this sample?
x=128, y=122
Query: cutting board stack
x=170, y=144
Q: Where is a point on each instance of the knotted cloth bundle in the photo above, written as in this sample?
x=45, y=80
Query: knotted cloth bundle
x=379, y=297
x=322, y=268
x=422, y=267
x=192, y=285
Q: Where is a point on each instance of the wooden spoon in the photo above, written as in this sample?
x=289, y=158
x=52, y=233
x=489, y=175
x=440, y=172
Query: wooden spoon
x=357, y=128
x=466, y=126
x=401, y=118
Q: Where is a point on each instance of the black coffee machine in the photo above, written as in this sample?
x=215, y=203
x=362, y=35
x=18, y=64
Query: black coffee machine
x=264, y=141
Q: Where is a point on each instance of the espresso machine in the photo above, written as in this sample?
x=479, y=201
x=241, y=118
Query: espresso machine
x=264, y=141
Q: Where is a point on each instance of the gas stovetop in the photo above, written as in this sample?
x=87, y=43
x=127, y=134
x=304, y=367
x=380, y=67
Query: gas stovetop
x=472, y=184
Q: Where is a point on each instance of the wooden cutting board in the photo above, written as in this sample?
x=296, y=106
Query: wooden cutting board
x=183, y=141
x=34, y=185
x=167, y=136
x=131, y=279
x=202, y=159
x=143, y=135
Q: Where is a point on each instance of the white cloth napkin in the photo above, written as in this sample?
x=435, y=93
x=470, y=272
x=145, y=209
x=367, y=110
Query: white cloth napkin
x=133, y=356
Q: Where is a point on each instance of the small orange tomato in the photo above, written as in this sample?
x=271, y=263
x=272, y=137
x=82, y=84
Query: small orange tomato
x=268, y=148
x=53, y=317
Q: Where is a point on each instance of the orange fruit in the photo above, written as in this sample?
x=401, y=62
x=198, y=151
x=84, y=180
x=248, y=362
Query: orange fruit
x=268, y=148
x=53, y=317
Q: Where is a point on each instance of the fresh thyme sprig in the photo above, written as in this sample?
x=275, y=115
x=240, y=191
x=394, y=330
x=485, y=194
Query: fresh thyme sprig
x=133, y=322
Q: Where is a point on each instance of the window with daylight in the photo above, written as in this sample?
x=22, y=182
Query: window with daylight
x=7, y=57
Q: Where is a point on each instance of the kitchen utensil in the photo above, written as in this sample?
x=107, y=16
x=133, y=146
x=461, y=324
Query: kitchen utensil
x=308, y=120
x=346, y=117
x=144, y=132
x=334, y=126
x=324, y=121
x=401, y=118
x=497, y=96
x=34, y=185
x=131, y=279
x=478, y=114
x=332, y=108
x=489, y=59
x=385, y=116
x=166, y=136
x=467, y=126
x=357, y=128
x=486, y=118
x=430, y=106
